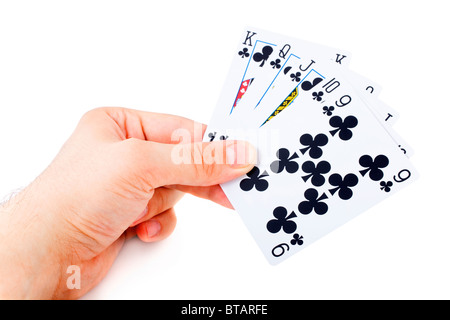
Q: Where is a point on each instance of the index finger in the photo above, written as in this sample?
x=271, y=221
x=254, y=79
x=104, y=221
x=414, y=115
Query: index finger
x=151, y=126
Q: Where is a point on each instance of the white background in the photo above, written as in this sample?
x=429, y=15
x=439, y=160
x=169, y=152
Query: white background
x=59, y=59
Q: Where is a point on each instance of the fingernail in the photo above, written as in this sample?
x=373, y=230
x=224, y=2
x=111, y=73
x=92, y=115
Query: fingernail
x=153, y=228
x=241, y=154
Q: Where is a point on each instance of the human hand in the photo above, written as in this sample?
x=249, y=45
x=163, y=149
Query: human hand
x=118, y=175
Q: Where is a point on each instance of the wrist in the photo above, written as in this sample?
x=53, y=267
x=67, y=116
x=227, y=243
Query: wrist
x=28, y=257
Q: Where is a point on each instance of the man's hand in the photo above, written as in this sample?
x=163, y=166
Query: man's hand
x=119, y=175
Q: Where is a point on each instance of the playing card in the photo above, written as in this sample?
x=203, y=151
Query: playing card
x=255, y=55
x=387, y=116
x=327, y=150
x=316, y=169
x=372, y=89
x=260, y=57
x=361, y=82
x=294, y=87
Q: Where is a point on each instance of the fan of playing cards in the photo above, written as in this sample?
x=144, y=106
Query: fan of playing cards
x=326, y=147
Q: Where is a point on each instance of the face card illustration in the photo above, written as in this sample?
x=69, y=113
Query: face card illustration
x=294, y=81
x=242, y=90
x=261, y=53
x=254, y=56
x=294, y=69
x=260, y=57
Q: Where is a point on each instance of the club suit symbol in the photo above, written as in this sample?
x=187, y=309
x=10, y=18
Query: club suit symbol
x=255, y=180
x=373, y=166
x=343, y=126
x=313, y=202
x=313, y=145
x=282, y=221
x=285, y=162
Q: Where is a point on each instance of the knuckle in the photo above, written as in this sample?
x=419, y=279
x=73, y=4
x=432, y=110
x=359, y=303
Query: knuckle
x=134, y=145
x=96, y=113
x=93, y=113
x=210, y=158
x=197, y=153
x=197, y=159
x=132, y=166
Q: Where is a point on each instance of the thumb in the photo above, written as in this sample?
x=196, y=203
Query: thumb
x=195, y=164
